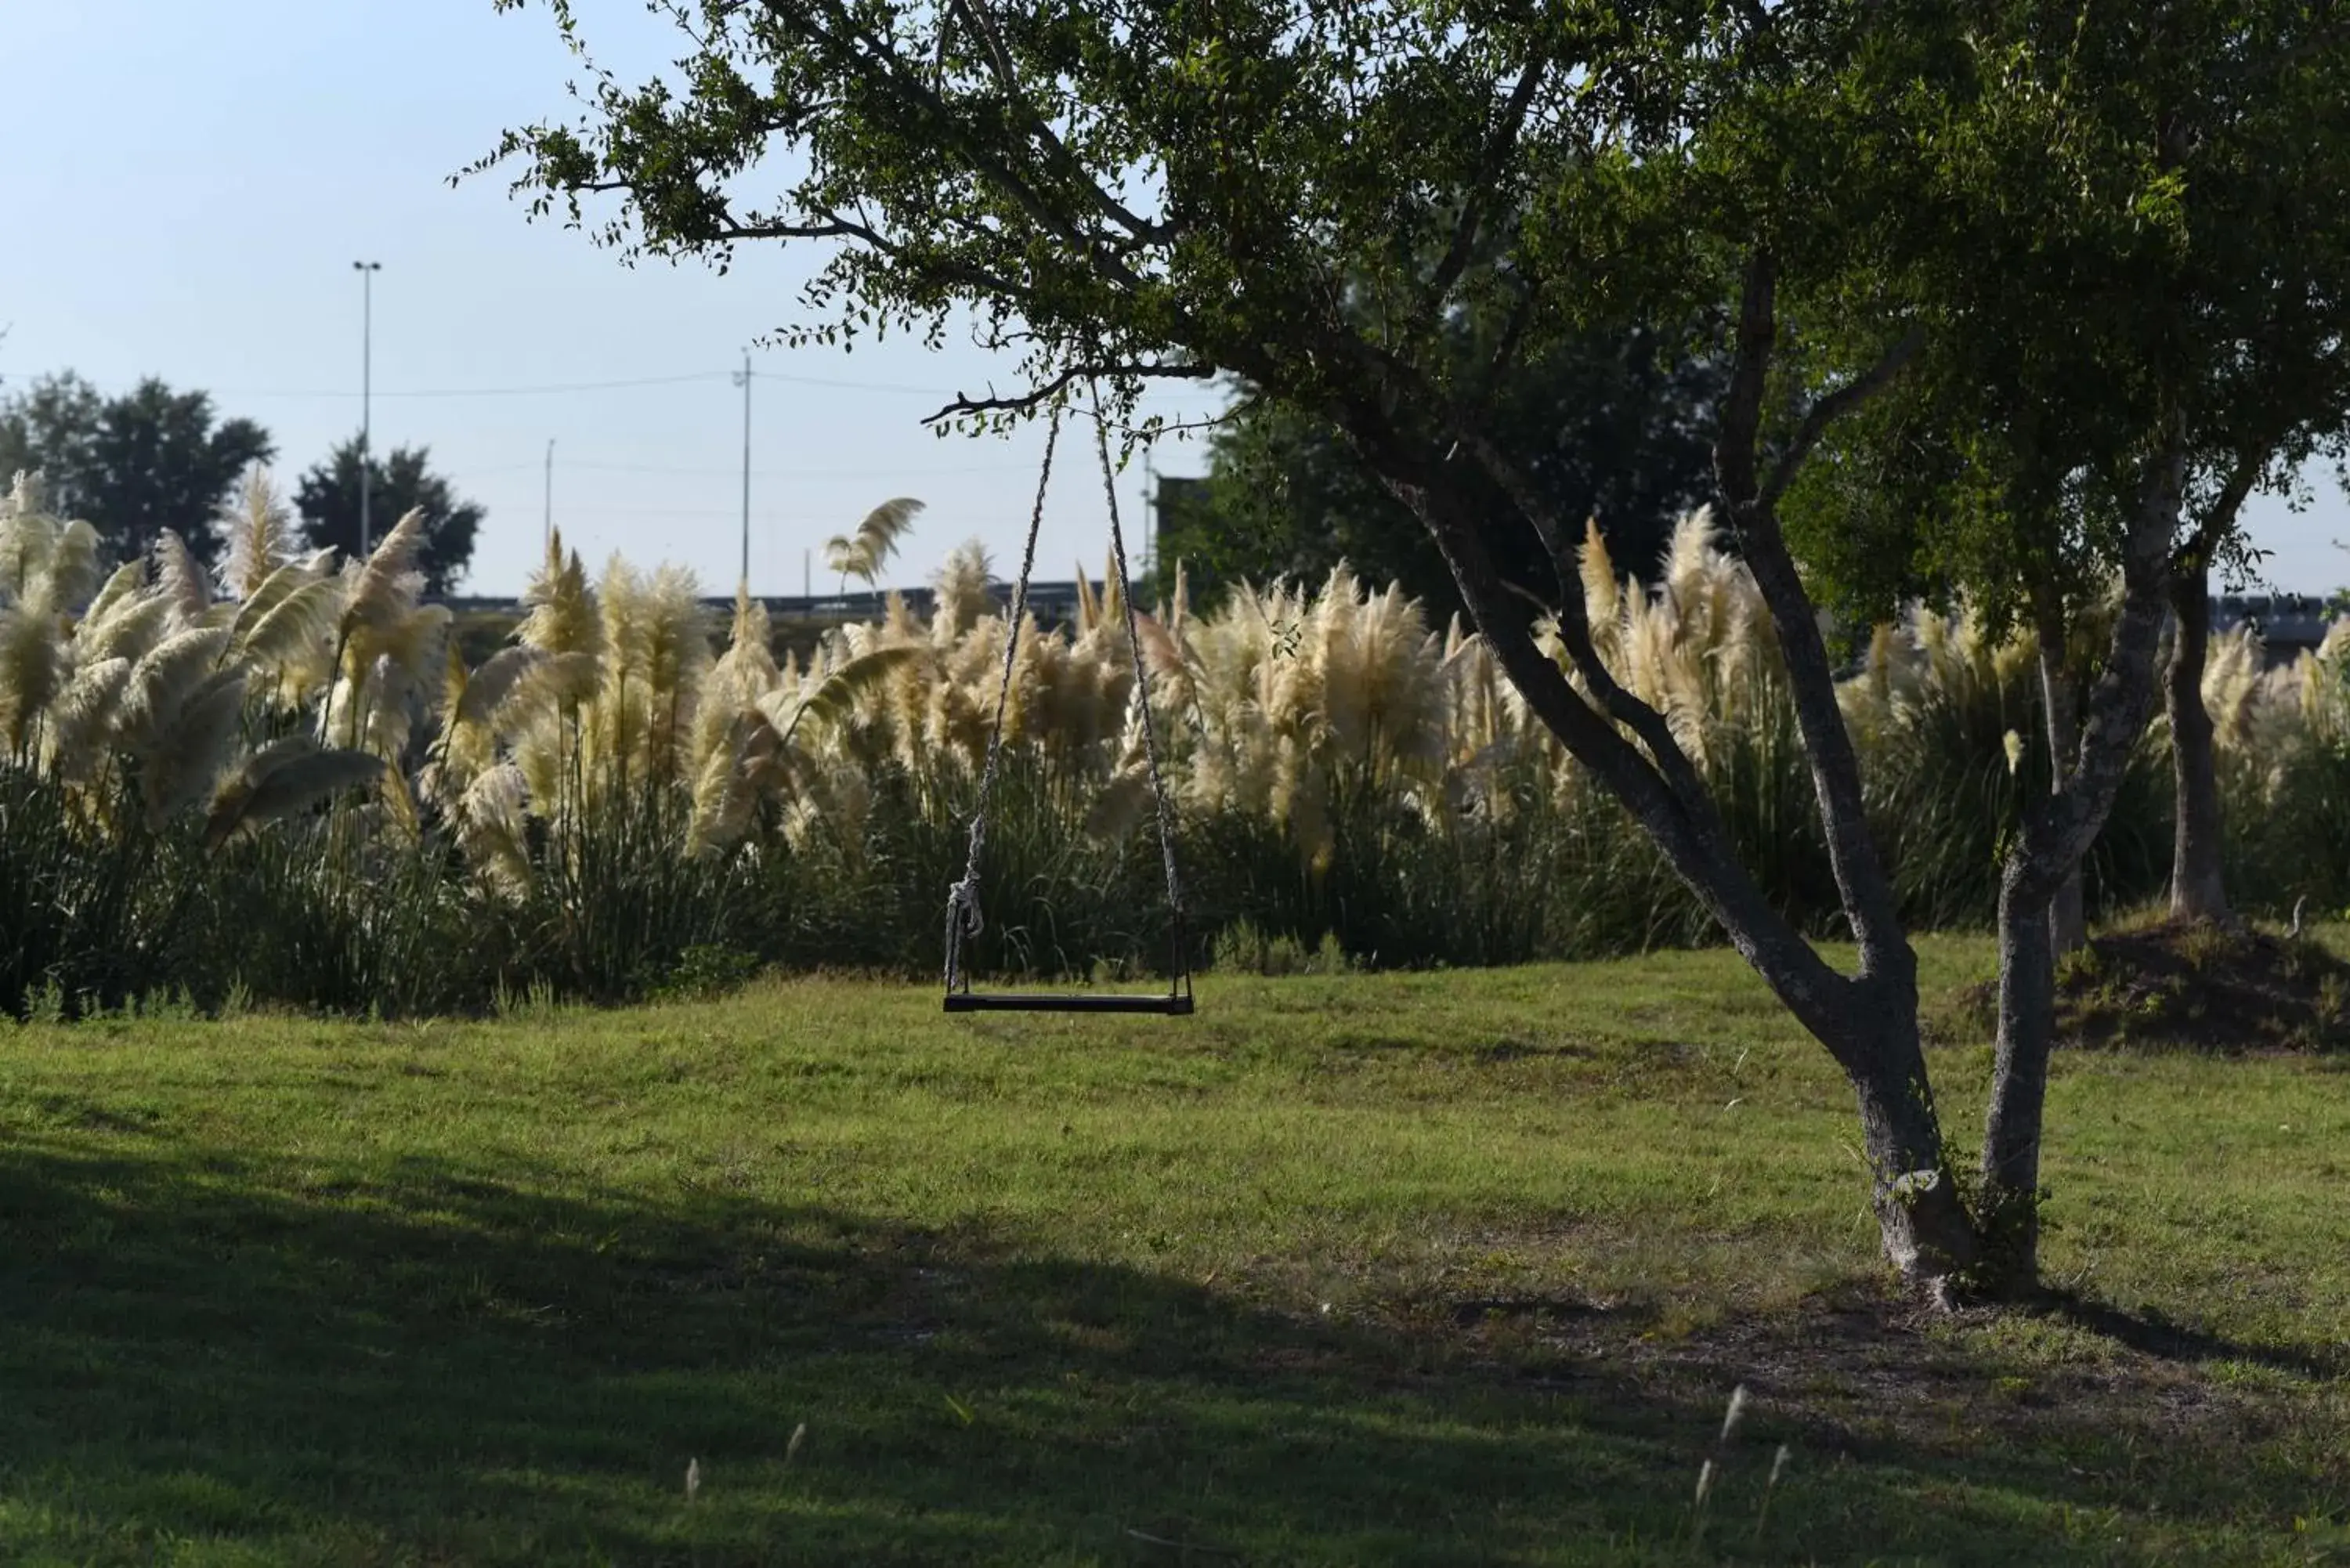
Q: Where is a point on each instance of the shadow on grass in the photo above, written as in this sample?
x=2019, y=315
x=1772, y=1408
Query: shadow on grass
x=2152, y=1335
x=427, y=1365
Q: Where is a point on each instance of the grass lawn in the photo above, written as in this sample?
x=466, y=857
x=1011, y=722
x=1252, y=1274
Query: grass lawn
x=1456, y=1268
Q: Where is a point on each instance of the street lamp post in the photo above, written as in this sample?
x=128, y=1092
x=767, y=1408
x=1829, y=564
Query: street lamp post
x=743, y=382
x=367, y=271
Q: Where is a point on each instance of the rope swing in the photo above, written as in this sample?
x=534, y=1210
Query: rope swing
x=964, y=919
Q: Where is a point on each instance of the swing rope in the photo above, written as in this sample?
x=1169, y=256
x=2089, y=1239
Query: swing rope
x=964, y=918
x=1179, y=974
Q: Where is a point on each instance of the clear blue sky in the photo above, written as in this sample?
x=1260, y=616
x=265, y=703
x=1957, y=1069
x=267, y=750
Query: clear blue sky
x=188, y=185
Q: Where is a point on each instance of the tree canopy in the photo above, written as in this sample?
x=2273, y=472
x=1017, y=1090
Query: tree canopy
x=135, y=465
x=401, y=481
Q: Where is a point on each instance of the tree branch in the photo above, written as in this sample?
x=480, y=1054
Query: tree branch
x=1654, y=730
x=2220, y=520
x=1740, y=431
x=1024, y=402
x=1174, y=427
x=1693, y=840
x=1513, y=332
x=1867, y=893
x=875, y=58
x=832, y=226
x=2122, y=699
x=1834, y=406
x=1496, y=152
x=1144, y=230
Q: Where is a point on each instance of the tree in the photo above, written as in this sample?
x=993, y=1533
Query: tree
x=329, y=500
x=137, y=466
x=2099, y=416
x=2283, y=399
x=2262, y=380
x=1121, y=191
x=1619, y=422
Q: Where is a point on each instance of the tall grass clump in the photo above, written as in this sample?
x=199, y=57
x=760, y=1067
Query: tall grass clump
x=1947, y=719
x=2284, y=736
x=292, y=783
x=154, y=721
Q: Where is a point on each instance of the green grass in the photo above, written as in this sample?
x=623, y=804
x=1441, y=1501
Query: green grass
x=1432, y=1268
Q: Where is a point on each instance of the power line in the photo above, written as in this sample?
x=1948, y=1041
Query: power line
x=897, y=471
x=820, y=518
x=556, y=388
x=552, y=388
x=501, y=468
x=482, y=391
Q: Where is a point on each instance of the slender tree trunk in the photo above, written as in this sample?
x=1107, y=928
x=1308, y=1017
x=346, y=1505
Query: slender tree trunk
x=2057, y=833
x=2199, y=888
x=2068, y=926
x=1921, y=1220
x=1869, y=1023
x=2009, y=1213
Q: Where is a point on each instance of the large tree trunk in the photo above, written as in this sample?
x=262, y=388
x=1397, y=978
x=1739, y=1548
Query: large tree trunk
x=2057, y=833
x=2199, y=888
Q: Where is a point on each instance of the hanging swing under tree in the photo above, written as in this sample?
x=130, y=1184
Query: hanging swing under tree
x=963, y=919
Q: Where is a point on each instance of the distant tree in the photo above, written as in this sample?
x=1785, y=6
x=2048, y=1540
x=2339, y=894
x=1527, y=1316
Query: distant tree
x=134, y=465
x=329, y=500
x=52, y=427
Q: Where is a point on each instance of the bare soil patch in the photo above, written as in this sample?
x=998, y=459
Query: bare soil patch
x=2195, y=987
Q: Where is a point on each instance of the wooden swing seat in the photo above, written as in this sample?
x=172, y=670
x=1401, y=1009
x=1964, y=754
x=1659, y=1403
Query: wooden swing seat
x=1172, y=1006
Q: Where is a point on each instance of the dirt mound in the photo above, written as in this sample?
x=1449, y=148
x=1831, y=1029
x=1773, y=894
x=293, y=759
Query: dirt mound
x=2196, y=987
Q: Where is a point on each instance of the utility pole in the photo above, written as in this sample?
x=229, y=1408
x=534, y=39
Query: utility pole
x=743, y=382
x=546, y=540
x=1149, y=515
x=367, y=271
